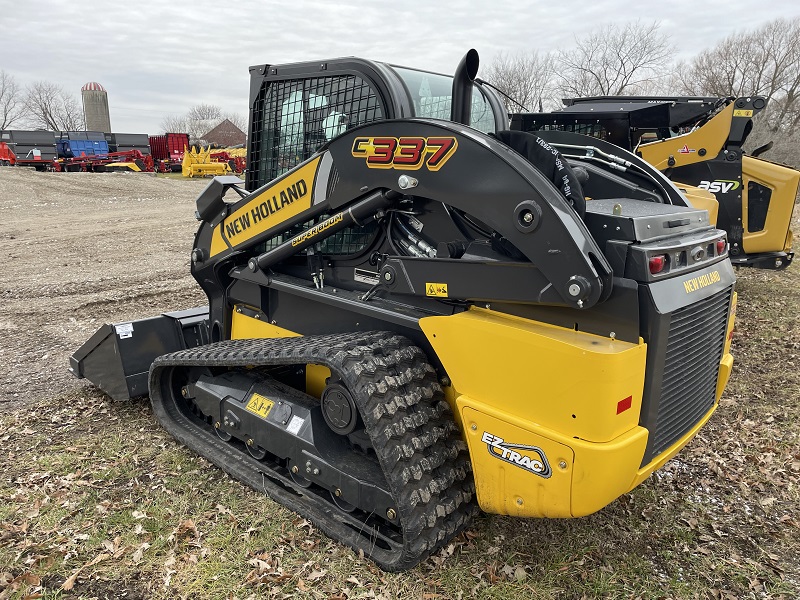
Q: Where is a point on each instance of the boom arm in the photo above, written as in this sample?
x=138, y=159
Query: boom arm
x=360, y=176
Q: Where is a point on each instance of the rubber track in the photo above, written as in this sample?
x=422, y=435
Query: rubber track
x=418, y=445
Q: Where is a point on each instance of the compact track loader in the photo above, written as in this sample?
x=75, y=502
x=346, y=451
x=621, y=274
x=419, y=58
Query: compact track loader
x=415, y=313
x=697, y=141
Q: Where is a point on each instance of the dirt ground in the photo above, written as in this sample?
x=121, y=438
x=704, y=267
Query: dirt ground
x=81, y=249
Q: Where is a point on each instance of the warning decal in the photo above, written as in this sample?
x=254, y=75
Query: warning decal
x=438, y=290
x=259, y=405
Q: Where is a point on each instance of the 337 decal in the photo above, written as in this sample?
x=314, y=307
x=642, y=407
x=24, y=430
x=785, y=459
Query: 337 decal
x=405, y=153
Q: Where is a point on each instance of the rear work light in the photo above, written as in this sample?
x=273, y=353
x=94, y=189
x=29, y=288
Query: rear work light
x=721, y=246
x=657, y=263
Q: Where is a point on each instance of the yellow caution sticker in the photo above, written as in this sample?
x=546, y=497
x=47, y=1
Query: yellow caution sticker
x=438, y=290
x=259, y=405
x=742, y=113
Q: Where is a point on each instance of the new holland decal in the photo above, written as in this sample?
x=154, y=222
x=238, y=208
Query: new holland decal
x=701, y=281
x=271, y=205
x=528, y=458
x=405, y=153
x=286, y=198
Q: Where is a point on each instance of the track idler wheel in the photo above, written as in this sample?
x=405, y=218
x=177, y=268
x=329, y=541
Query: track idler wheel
x=339, y=409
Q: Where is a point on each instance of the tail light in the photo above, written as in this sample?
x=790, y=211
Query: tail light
x=657, y=263
x=721, y=246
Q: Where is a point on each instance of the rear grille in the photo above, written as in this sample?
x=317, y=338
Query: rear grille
x=688, y=386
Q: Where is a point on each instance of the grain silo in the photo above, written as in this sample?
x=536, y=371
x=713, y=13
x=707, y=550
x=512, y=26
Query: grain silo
x=95, y=107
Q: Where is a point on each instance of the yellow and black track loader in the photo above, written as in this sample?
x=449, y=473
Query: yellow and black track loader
x=697, y=141
x=415, y=313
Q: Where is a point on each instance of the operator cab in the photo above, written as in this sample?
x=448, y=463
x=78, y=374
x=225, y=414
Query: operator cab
x=298, y=108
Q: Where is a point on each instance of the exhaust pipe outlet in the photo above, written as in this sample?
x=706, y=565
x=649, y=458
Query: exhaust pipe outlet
x=462, y=87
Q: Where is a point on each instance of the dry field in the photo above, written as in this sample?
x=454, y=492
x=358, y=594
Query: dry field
x=97, y=502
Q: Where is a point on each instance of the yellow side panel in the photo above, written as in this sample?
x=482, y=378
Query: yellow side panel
x=561, y=379
x=685, y=149
x=286, y=198
x=538, y=487
x=782, y=181
x=726, y=364
x=702, y=199
x=244, y=327
x=731, y=324
x=247, y=327
x=316, y=379
x=578, y=478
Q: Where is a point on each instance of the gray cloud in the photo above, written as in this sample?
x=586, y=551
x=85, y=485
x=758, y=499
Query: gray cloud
x=157, y=58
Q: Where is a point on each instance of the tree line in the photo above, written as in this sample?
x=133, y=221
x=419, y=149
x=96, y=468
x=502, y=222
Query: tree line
x=635, y=58
x=45, y=105
x=41, y=105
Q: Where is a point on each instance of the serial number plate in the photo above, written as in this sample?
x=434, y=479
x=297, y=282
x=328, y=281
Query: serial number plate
x=259, y=405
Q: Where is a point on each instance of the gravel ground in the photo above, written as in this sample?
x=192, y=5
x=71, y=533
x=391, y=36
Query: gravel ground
x=81, y=249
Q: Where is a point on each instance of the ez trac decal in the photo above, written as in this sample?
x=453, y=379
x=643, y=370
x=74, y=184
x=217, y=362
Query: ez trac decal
x=405, y=153
x=528, y=458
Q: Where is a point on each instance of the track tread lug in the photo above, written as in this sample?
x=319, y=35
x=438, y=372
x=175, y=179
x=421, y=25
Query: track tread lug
x=418, y=444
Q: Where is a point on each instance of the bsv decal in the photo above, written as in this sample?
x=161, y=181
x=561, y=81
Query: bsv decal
x=405, y=153
x=719, y=186
x=529, y=458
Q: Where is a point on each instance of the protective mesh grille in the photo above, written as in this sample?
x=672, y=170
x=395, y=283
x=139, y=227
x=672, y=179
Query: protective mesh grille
x=350, y=241
x=689, y=384
x=293, y=118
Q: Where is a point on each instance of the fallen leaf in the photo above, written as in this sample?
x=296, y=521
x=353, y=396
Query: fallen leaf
x=70, y=582
x=137, y=555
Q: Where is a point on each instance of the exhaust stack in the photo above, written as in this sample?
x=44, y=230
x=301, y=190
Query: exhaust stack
x=462, y=87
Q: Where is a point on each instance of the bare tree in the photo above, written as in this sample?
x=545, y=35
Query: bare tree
x=613, y=61
x=175, y=124
x=10, y=101
x=49, y=106
x=765, y=61
x=526, y=78
x=205, y=112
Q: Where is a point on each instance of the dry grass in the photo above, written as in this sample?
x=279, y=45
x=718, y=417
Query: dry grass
x=98, y=502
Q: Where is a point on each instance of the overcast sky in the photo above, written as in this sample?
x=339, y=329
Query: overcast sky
x=160, y=58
